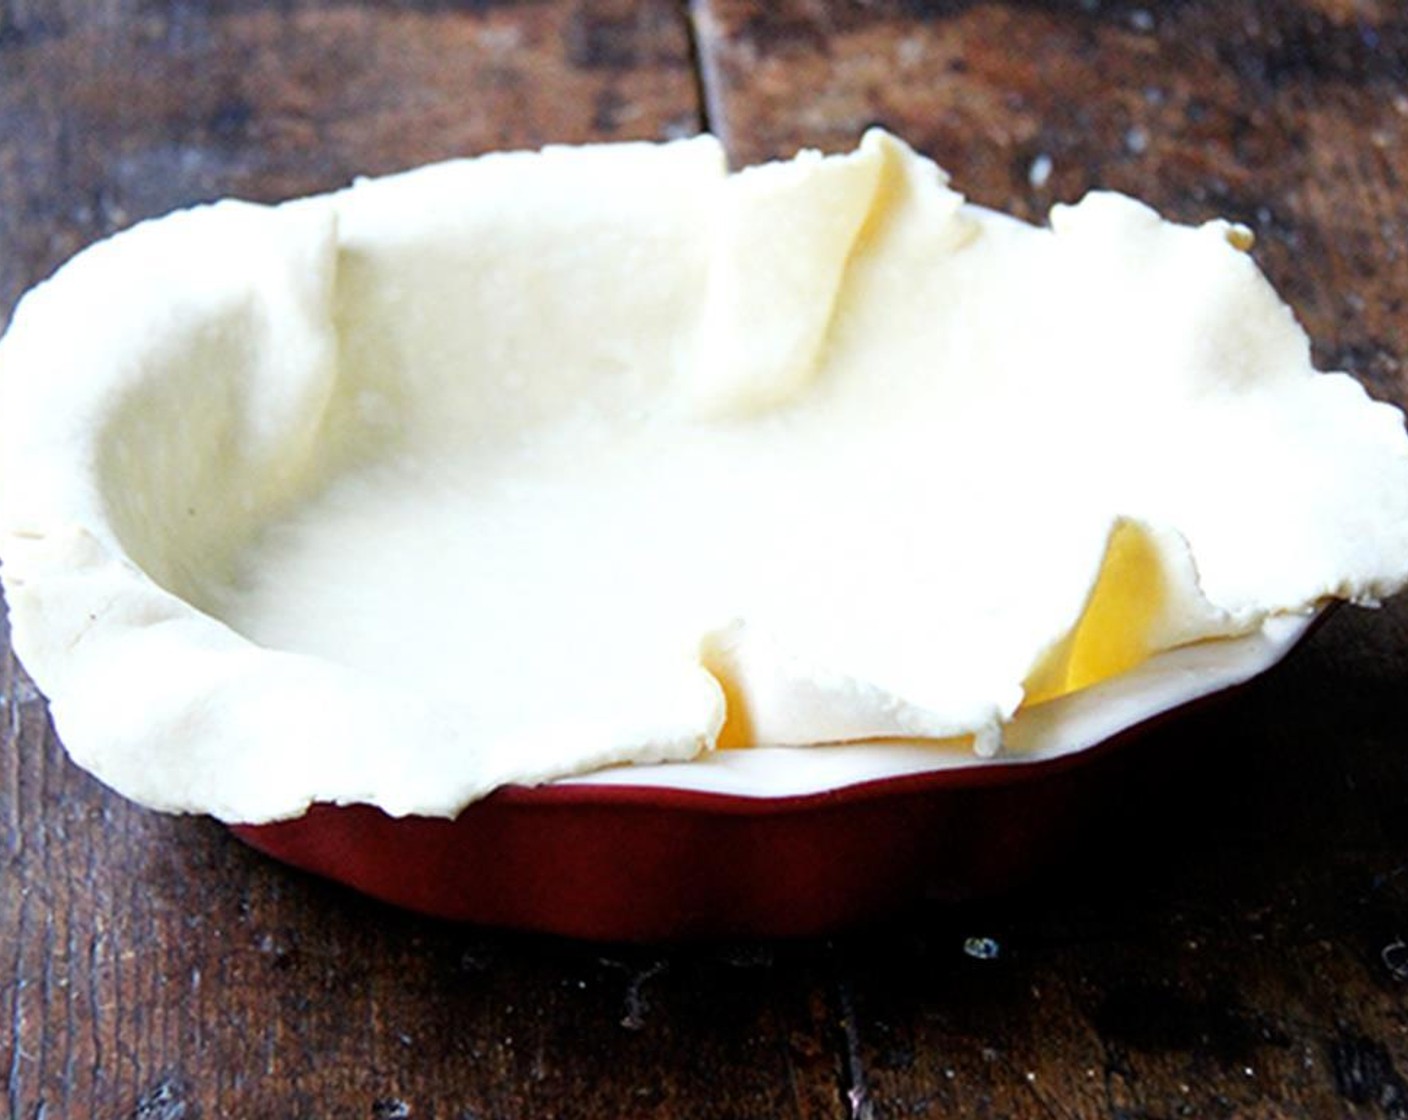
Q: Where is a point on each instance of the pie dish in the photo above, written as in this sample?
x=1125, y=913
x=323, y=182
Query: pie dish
x=775, y=842
x=578, y=483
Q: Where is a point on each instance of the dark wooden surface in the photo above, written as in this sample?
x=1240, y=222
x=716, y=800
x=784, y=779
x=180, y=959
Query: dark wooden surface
x=1229, y=938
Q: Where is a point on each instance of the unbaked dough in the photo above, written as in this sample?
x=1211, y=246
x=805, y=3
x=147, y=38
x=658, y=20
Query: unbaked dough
x=512, y=468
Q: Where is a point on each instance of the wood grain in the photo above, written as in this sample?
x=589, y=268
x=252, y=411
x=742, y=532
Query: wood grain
x=1229, y=940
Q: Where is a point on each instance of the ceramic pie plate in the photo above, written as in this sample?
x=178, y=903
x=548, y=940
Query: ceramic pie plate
x=767, y=841
x=434, y=533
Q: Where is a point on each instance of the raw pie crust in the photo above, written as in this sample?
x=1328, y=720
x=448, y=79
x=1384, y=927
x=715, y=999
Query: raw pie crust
x=514, y=468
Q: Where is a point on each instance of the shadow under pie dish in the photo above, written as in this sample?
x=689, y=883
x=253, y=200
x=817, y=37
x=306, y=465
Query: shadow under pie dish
x=593, y=474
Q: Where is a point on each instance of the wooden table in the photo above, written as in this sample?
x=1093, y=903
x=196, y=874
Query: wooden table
x=1231, y=939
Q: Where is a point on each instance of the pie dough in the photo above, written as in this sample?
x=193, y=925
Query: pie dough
x=514, y=468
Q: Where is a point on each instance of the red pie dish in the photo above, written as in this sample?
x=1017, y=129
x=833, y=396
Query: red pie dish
x=597, y=541
x=626, y=855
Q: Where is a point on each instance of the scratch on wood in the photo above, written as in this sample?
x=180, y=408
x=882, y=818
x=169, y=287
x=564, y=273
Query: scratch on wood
x=16, y=1025
x=13, y=798
x=856, y=1086
x=95, y=963
x=1395, y=958
x=166, y=1100
x=1364, y=1073
x=636, y=1003
x=708, y=80
x=20, y=690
